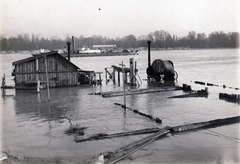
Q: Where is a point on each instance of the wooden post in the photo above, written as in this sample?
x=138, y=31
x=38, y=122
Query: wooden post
x=135, y=74
x=100, y=79
x=3, y=81
x=37, y=77
x=47, y=78
x=113, y=75
x=90, y=77
x=135, y=69
x=125, y=79
x=38, y=86
x=132, y=72
x=94, y=77
x=118, y=78
x=106, y=74
x=124, y=97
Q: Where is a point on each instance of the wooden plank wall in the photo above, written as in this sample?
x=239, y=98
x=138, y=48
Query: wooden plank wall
x=60, y=72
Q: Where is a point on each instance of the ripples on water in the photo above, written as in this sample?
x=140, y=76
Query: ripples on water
x=35, y=127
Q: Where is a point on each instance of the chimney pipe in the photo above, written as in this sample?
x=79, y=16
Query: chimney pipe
x=149, y=57
x=68, y=45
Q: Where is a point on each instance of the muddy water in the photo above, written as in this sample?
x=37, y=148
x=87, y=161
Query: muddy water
x=34, y=127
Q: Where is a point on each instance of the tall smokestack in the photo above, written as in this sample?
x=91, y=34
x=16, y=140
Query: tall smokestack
x=149, y=57
x=68, y=45
x=73, y=43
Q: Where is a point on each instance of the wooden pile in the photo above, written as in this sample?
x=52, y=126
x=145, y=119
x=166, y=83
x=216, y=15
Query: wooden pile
x=230, y=97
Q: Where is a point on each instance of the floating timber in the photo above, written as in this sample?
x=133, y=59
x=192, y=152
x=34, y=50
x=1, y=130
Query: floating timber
x=199, y=93
x=138, y=91
x=181, y=128
x=215, y=85
x=122, y=152
x=121, y=134
x=199, y=82
x=157, y=120
x=76, y=130
x=207, y=124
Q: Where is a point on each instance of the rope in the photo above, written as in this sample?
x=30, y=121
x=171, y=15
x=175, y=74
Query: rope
x=223, y=136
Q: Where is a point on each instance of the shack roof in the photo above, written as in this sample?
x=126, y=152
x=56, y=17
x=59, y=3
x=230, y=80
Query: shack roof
x=42, y=55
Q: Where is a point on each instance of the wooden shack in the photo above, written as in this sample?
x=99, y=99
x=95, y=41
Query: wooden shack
x=48, y=67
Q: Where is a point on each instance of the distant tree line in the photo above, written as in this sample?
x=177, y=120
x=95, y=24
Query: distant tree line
x=160, y=39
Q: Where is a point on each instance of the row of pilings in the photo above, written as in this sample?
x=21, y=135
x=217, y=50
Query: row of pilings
x=131, y=72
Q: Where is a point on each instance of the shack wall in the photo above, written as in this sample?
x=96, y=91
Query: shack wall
x=60, y=72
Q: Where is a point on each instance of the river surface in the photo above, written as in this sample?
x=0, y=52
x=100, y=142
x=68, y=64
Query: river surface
x=33, y=127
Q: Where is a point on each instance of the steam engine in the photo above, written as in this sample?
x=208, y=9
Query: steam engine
x=160, y=68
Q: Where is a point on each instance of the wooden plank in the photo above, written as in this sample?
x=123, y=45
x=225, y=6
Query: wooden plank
x=191, y=95
x=113, y=135
x=120, y=69
x=198, y=93
x=34, y=72
x=139, y=91
x=7, y=87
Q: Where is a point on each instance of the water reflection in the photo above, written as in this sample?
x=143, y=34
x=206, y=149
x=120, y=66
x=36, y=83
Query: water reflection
x=36, y=105
x=7, y=94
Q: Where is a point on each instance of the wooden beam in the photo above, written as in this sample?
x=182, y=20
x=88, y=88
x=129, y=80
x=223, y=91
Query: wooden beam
x=157, y=120
x=206, y=124
x=139, y=91
x=38, y=72
x=125, y=69
x=113, y=135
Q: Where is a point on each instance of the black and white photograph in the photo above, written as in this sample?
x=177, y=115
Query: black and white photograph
x=120, y=81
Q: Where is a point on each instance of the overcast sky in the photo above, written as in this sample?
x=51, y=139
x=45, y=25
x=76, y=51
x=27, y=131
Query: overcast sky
x=116, y=18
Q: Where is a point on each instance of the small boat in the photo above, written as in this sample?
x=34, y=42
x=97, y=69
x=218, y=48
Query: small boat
x=41, y=51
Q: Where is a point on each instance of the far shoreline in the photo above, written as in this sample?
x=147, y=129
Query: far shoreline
x=139, y=49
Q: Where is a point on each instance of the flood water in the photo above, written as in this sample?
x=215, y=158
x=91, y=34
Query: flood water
x=33, y=127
